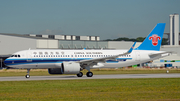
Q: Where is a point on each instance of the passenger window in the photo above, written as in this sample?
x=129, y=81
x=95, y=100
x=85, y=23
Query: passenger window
x=15, y=55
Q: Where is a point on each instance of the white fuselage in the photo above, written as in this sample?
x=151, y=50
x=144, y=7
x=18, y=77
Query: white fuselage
x=53, y=58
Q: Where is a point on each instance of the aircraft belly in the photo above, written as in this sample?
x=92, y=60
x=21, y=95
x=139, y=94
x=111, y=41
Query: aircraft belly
x=35, y=66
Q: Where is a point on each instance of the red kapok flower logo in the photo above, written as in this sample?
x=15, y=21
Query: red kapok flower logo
x=154, y=39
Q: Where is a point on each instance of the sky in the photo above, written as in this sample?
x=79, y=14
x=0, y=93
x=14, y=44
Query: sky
x=108, y=19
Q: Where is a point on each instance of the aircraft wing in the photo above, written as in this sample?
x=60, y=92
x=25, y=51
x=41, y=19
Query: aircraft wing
x=106, y=58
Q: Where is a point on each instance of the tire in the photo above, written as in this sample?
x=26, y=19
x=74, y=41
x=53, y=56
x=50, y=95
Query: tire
x=80, y=74
x=89, y=74
x=27, y=76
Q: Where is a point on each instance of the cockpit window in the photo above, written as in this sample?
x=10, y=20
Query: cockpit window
x=12, y=55
x=15, y=56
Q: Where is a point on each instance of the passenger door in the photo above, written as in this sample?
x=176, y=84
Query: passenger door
x=29, y=56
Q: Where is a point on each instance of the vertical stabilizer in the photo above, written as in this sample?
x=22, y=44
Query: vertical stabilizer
x=154, y=39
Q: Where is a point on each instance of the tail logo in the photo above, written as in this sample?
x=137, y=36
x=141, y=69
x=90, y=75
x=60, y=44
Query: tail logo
x=154, y=39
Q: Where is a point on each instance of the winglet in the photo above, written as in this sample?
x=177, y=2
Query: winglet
x=130, y=50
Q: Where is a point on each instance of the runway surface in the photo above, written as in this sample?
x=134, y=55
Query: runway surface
x=72, y=77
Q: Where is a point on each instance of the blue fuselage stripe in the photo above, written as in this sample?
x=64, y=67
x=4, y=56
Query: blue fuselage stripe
x=52, y=60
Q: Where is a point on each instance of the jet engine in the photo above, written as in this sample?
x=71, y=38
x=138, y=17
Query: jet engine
x=66, y=68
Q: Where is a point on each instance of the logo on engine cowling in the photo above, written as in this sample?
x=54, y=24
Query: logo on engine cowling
x=154, y=39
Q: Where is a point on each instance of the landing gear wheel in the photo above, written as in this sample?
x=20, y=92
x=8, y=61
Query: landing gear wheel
x=89, y=74
x=80, y=74
x=27, y=76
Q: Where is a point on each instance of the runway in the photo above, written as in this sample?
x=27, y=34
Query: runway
x=73, y=77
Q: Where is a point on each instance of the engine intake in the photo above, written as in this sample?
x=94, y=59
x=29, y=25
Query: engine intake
x=55, y=71
x=66, y=68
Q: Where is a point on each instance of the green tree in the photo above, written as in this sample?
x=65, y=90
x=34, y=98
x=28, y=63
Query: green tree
x=140, y=39
x=164, y=41
x=121, y=39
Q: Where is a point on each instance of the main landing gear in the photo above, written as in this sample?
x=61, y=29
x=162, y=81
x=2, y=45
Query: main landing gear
x=28, y=76
x=88, y=74
x=80, y=74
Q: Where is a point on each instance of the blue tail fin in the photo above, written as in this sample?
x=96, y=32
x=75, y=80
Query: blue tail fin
x=154, y=39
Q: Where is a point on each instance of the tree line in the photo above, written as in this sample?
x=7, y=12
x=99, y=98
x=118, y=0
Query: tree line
x=139, y=39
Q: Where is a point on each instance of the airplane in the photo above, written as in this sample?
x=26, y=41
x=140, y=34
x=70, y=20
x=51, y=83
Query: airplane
x=59, y=61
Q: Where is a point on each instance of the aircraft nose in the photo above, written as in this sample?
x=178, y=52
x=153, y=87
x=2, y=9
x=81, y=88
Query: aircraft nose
x=6, y=62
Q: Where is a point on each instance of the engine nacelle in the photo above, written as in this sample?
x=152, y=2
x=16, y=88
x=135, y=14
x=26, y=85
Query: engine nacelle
x=71, y=67
x=66, y=68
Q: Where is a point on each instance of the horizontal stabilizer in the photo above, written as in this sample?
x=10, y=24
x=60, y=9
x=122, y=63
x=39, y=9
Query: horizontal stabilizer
x=157, y=54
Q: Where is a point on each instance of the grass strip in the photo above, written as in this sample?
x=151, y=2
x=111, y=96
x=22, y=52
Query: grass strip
x=98, y=90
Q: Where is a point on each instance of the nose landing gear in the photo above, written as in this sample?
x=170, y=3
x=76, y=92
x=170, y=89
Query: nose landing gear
x=28, y=76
